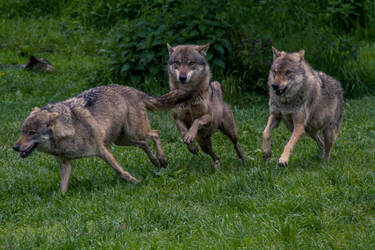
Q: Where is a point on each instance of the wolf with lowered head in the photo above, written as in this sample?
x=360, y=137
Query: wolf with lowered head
x=87, y=124
x=197, y=119
x=306, y=100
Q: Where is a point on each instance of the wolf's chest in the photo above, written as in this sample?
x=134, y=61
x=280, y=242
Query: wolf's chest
x=190, y=112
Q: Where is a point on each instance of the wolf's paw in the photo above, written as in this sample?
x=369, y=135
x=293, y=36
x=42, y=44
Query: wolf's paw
x=163, y=161
x=282, y=162
x=188, y=138
x=130, y=178
x=155, y=161
x=217, y=164
x=243, y=159
x=135, y=180
x=193, y=148
x=266, y=154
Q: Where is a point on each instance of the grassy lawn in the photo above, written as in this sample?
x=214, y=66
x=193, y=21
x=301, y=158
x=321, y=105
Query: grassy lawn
x=309, y=204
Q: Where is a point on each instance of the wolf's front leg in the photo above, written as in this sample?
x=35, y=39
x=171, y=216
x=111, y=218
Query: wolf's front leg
x=65, y=171
x=183, y=130
x=272, y=123
x=197, y=124
x=298, y=131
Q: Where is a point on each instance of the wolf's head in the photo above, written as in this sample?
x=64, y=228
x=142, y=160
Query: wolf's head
x=35, y=132
x=187, y=66
x=287, y=73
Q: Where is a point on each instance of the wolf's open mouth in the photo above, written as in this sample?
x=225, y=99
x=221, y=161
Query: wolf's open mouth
x=279, y=92
x=26, y=153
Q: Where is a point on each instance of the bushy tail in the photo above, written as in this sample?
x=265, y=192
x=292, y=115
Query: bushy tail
x=166, y=101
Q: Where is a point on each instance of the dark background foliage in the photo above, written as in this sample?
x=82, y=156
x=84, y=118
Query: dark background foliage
x=240, y=33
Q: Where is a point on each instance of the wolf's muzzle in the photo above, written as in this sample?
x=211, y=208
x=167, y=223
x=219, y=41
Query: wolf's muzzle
x=27, y=152
x=182, y=78
x=275, y=86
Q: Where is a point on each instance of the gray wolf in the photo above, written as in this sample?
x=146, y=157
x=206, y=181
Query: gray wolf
x=204, y=114
x=306, y=100
x=87, y=124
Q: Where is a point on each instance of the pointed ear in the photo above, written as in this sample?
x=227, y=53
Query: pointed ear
x=170, y=49
x=301, y=53
x=35, y=109
x=52, y=116
x=276, y=53
x=202, y=49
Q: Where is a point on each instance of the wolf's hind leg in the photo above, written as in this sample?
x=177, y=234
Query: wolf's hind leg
x=144, y=146
x=319, y=141
x=65, y=171
x=107, y=156
x=228, y=127
x=329, y=138
x=206, y=146
x=155, y=136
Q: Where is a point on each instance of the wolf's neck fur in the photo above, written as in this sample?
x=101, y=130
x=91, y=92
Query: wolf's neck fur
x=200, y=88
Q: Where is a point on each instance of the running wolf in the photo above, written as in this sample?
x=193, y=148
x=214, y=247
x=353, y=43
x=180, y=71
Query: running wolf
x=308, y=101
x=200, y=117
x=87, y=124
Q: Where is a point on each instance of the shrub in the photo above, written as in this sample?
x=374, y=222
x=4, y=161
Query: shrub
x=331, y=46
x=142, y=53
x=240, y=33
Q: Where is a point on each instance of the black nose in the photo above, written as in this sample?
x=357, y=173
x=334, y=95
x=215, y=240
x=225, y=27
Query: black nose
x=182, y=78
x=275, y=85
x=16, y=147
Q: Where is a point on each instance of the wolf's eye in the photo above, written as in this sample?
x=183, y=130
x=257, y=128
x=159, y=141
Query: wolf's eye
x=31, y=132
x=191, y=63
x=176, y=65
x=288, y=72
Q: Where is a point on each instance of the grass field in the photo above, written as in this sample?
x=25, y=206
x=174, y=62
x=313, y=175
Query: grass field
x=309, y=204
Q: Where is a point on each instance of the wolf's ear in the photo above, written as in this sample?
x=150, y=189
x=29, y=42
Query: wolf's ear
x=202, y=49
x=276, y=53
x=35, y=109
x=170, y=49
x=52, y=116
x=301, y=53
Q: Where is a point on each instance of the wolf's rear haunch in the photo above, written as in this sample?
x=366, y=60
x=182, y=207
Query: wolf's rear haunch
x=87, y=124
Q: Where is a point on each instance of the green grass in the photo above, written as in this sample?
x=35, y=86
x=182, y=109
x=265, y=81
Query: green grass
x=309, y=204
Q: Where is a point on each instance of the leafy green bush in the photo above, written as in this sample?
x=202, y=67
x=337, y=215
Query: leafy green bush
x=240, y=33
x=142, y=51
x=330, y=43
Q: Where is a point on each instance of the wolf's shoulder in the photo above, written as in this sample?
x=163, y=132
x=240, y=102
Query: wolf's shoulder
x=328, y=81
